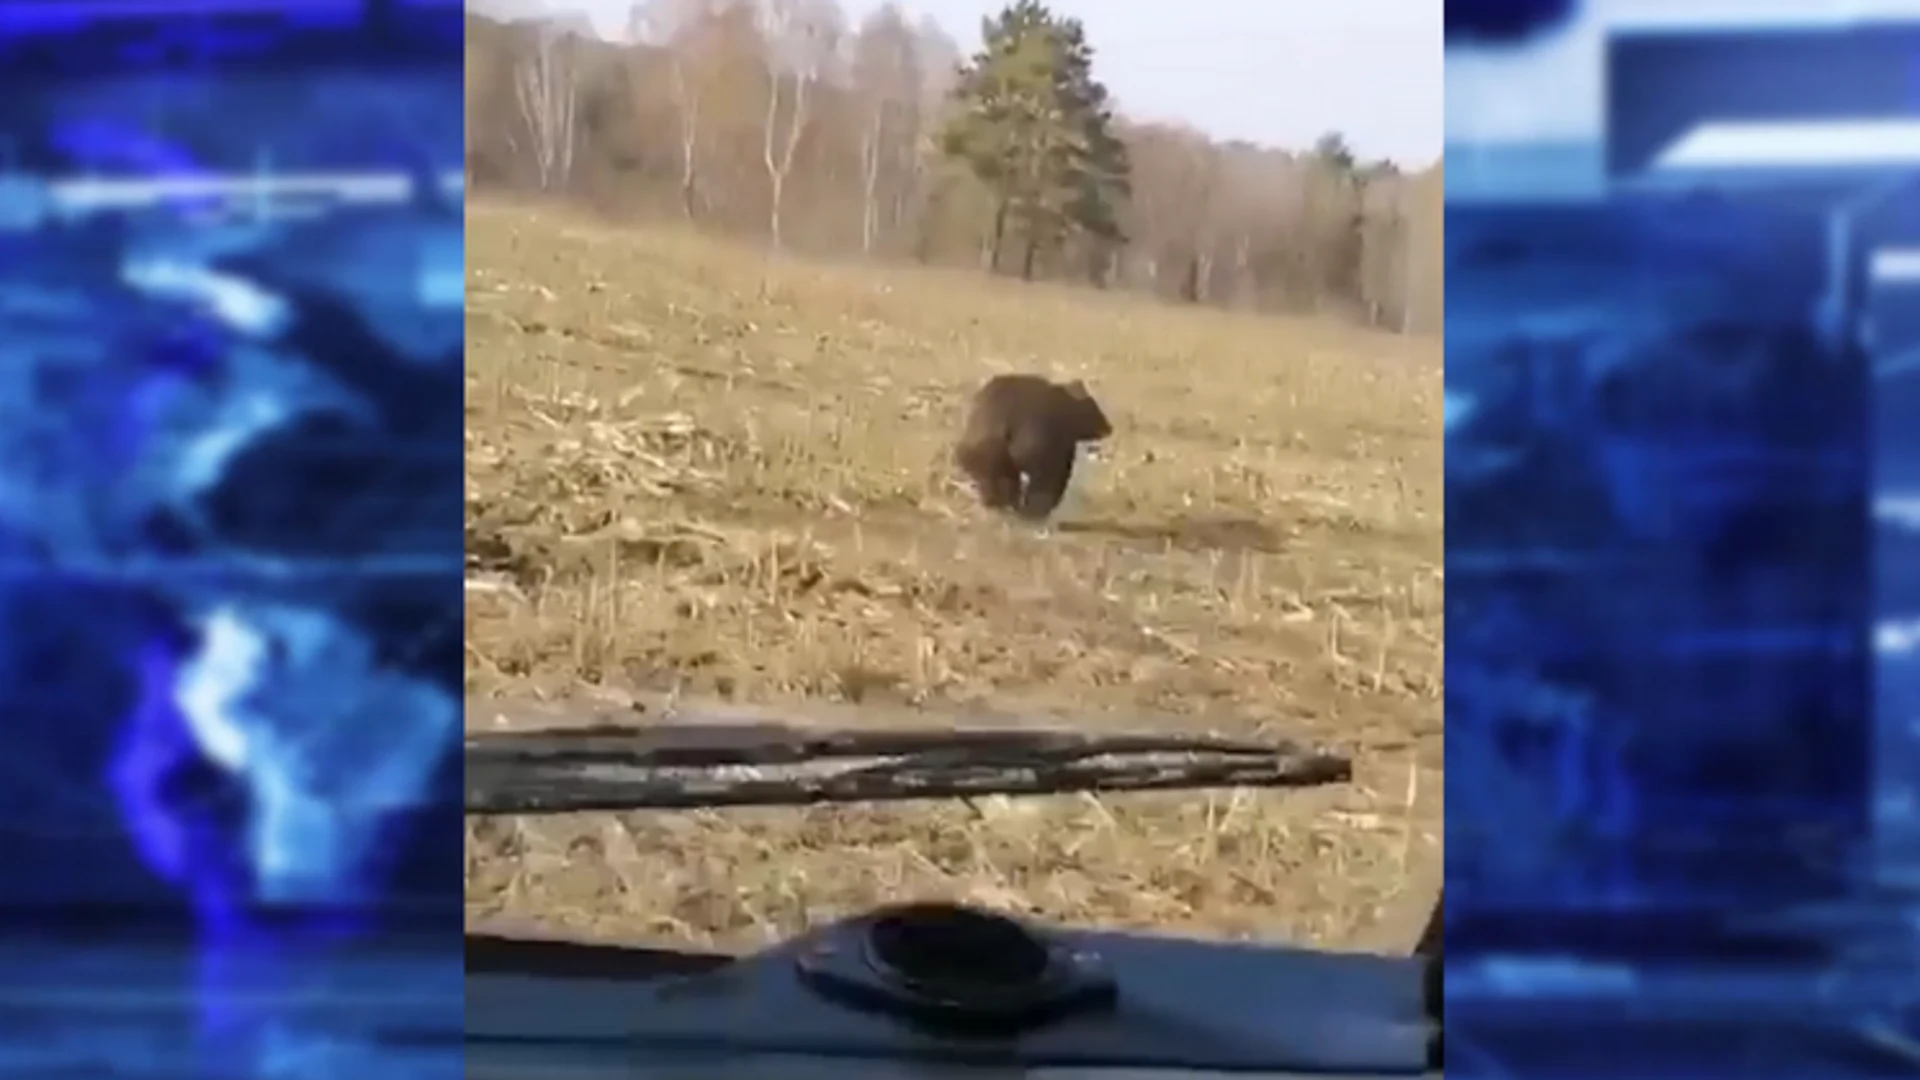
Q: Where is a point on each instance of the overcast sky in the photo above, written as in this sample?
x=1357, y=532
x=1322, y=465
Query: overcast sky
x=1280, y=72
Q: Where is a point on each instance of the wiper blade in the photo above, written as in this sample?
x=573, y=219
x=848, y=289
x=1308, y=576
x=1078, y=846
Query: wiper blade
x=680, y=766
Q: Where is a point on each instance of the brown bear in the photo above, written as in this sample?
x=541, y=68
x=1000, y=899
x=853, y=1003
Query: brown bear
x=1019, y=443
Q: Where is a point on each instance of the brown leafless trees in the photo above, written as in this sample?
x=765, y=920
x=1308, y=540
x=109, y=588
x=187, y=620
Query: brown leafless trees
x=771, y=119
x=888, y=88
x=802, y=39
x=545, y=88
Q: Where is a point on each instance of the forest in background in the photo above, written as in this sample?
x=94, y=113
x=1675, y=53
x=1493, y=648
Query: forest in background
x=778, y=120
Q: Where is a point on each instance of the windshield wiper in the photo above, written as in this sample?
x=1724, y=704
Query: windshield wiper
x=678, y=766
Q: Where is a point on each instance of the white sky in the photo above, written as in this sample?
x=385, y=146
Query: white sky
x=1281, y=72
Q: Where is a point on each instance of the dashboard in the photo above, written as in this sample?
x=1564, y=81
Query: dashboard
x=924, y=991
x=946, y=992
x=491, y=1066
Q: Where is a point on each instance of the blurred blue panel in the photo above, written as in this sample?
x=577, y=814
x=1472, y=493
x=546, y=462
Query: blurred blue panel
x=230, y=533
x=1657, y=558
x=1679, y=809
x=1661, y=85
x=1505, y=22
x=1893, y=303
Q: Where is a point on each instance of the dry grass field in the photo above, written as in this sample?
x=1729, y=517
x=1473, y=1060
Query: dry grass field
x=696, y=473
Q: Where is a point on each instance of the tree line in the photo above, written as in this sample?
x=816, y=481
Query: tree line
x=777, y=119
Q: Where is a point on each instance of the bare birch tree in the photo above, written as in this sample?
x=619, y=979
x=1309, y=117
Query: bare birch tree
x=473, y=94
x=888, y=86
x=801, y=38
x=544, y=87
x=676, y=28
x=939, y=62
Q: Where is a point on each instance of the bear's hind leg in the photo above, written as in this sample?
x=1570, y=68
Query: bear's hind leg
x=1000, y=487
x=1047, y=484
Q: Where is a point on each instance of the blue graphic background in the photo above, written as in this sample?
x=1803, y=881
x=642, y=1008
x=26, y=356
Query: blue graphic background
x=230, y=537
x=1680, y=790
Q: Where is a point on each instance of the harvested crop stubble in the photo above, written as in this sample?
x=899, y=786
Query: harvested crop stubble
x=699, y=475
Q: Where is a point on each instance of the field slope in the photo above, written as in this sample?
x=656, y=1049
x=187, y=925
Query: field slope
x=697, y=473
